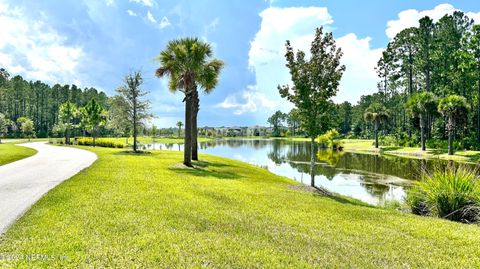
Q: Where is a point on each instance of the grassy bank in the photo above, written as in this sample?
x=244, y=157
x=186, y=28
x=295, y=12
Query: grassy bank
x=145, y=210
x=367, y=147
x=10, y=152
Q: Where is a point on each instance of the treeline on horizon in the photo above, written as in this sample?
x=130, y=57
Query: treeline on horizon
x=442, y=58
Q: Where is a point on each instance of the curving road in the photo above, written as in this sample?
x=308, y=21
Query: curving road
x=24, y=182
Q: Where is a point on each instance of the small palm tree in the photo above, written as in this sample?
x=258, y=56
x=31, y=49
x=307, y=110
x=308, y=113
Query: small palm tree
x=376, y=113
x=188, y=64
x=455, y=109
x=420, y=105
x=179, y=125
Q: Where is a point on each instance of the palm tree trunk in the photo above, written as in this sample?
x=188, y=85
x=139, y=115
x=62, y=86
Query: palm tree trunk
x=450, y=133
x=376, y=134
x=422, y=131
x=312, y=162
x=187, y=151
x=478, y=111
x=195, y=109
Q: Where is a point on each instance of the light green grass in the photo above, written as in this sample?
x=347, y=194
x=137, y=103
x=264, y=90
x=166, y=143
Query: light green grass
x=145, y=211
x=367, y=147
x=10, y=152
x=163, y=140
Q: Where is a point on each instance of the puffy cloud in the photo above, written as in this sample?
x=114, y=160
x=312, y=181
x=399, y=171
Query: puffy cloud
x=360, y=60
x=251, y=101
x=410, y=17
x=266, y=56
x=151, y=18
x=131, y=13
x=32, y=48
x=147, y=3
x=164, y=22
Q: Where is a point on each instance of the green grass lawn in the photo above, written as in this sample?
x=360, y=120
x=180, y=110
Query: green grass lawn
x=10, y=152
x=367, y=146
x=146, y=211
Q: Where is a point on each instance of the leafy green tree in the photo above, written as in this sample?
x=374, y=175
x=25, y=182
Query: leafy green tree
x=421, y=105
x=137, y=109
x=92, y=117
x=67, y=115
x=118, y=116
x=474, y=49
x=377, y=114
x=454, y=108
x=293, y=120
x=179, y=125
x=4, y=123
x=26, y=127
x=277, y=120
x=315, y=81
x=188, y=64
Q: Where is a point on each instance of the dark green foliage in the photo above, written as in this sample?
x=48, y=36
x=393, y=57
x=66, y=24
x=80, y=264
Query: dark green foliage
x=277, y=121
x=40, y=101
x=452, y=193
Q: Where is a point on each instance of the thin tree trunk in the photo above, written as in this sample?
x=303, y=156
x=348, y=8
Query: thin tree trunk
x=135, y=130
x=422, y=131
x=187, y=151
x=312, y=162
x=195, y=109
x=376, y=134
x=67, y=136
x=478, y=112
x=450, y=133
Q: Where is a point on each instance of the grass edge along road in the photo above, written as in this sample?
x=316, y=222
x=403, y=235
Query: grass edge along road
x=10, y=152
x=130, y=210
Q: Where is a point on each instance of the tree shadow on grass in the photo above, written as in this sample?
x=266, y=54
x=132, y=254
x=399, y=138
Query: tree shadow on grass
x=205, y=169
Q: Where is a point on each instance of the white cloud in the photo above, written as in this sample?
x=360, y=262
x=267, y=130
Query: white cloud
x=266, y=55
x=360, y=60
x=131, y=13
x=251, y=101
x=410, y=17
x=110, y=2
x=151, y=18
x=35, y=50
x=147, y=3
x=164, y=22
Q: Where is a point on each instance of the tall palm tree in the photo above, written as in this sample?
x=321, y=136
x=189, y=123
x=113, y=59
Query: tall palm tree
x=179, y=125
x=421, y=105
x=188, y=64
x=455, y=109
x=376, y=113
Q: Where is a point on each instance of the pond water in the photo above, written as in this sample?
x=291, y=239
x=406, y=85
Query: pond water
x=369, y=178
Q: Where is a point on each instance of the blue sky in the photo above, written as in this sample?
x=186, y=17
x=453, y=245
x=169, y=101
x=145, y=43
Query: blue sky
x=97, y=42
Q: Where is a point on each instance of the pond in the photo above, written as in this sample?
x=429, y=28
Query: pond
x=370, y=178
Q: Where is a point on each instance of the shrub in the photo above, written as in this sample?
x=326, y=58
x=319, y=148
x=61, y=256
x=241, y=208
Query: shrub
x=389, y=141
x=100, y=142
x=330, y=140
x=451, y=192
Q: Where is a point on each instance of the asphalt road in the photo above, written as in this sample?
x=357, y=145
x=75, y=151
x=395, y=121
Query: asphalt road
x=24, y=182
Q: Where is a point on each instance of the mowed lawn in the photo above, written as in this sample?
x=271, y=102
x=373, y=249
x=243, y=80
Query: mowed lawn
x=10, y=152
x=146, y=211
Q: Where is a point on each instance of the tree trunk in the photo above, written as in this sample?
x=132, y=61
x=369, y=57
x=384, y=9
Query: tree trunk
x=179, y=131
x=450, y=133
x=376, y=134
x=312, y=162
x=422, y=131
x=67, y=136
x=187, y=151
x=478, y=111
x=195, y=109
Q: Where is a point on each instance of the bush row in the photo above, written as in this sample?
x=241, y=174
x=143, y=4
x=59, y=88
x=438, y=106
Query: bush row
x=100, y=142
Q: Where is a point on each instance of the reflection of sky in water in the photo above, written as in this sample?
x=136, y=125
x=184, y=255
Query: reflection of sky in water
x=366, y=186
